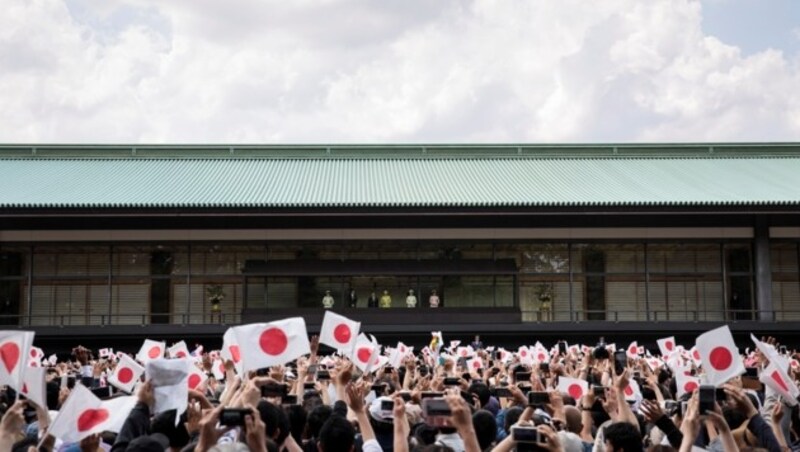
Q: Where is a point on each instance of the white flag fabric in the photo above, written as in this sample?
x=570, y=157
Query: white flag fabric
x=231, y=351
x=35, y=356
x=14, y=350
x=779, y=381
x=399, y=354
x=686, y=383
x=269, y=344
x=366, y=354
x=34, y=386
x=83, y=414
x=196, y=377
x=178, y=350
x=633, y=350
x=170, y=379
x=150, y=350
x=632, y=391
x=339, y=332
x=540, y=354
x=719, y=355
x=575, y=387
x=525, y=355
x=666, y=345
x=475, y=364
x=218, y=369
x=126, y=373
x=464, y=352
x=105, y=352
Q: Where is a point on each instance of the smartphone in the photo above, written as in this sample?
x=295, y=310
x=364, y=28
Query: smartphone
x=233, y=417
x=323, y=375
x=562, y=348
x=452, y=381
x=683, y=406
x=620, y=362
x=494, y=371
x=102, y=392
x=526, y=435
x=435, y=407
x=431, y=395
x=522, y=376
x=750, y=372
x=274, y=390
x=721, y=395
x=406, y=396
x=30, y=415
x=648, y=394
x=387, y=408
x=599, y=391
x=378, y=389
x=544, y=367
x=537, y=398
x=312, y=369
x=502, y=392
x=671, y=407
x=707, y=397
x=289, y=399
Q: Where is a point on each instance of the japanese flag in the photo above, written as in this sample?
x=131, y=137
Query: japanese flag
x=231, y=351
x=170, y=384
x=779, y=381
x=575, y=387
x=666, y=345
x=179, y=350
x=475, y=364
x=464, y=352
x=694, y=354
x=196, y=377
x=720, y=357
x=632, y=391
x=35, y=356
x=540, y=354
x=105, y=352
x=83, y=414
x=218, y=369
x=454, y=344
x=270, y=344
x=339, y=332
x=633, y=350
x=365, y=354
x=126, y=373
x=769, y=351
x=52, y=360
x=685, y=383
x=34, y=386
x=14, y=347
x=400, y=352
x=654, y=363
x=150, y=350
x=525, y=355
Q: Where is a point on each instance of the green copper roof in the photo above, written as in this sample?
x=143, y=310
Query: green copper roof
x=398, y=176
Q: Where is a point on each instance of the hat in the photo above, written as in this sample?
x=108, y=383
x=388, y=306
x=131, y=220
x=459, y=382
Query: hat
x=378, y=414
x=157, y=442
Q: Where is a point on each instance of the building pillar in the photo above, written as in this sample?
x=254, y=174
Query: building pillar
x=763, y=271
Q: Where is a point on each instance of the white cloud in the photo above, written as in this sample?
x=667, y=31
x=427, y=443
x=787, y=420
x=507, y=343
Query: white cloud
x=362, y=71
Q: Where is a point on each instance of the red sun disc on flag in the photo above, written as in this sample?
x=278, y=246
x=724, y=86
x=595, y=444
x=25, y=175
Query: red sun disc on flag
x=776, y=377
x=180, y=354
x=364, y=354
x=91, y=418
x=125, y=375
x=575, y=391
x=628, y=391
x=9, y=352
x=720, y=358
x=696, y=355
x=234, y=349
x=342, y=333
x=541, y=357
x=194, y=381
x=476, y=365
x=523, y=353
x=154, y=352
x=690, y=386
x=669, y=345
x=273, y=341
x=33, y=353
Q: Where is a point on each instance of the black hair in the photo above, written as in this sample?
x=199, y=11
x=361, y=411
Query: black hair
x=297, y=422
x=623, y=436
x=316, y=419
x=485, y=428
x=337, y=435
x=165, y=423
x=512, y=416
x=275, y=419
x=483, y=392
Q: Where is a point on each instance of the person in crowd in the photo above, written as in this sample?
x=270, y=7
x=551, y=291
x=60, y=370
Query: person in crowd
x=327, y=300
x=386, y=299
x=429, y=402
x=433, y=300
x=352, y=298
x=372, y=301
x=411, y=299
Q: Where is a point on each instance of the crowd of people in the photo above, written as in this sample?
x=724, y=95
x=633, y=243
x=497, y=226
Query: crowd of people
x=442, y=398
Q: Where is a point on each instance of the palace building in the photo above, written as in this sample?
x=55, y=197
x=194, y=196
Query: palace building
x=121, y=242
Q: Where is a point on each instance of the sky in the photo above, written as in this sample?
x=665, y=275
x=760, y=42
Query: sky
x=410, y=71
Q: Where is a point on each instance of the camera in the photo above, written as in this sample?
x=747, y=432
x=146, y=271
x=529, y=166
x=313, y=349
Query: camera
x=707, y=397
x=387, y=408
x=323, y=375
x=502, y=392
x=620, y=362
x=289, y=399
x=526, y=435
x=274, y=390
x=537, y=398
x=452, y=381
x=233, y=417
x=600, y=352
x=599, y=391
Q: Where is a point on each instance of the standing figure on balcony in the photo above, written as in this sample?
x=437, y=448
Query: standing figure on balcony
x=386, y=299
x=372, y=301
x=433, y=300
x=545, y=294
x=327, y=300
x=411, y=300
x=215, y=297
x=352, y=298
